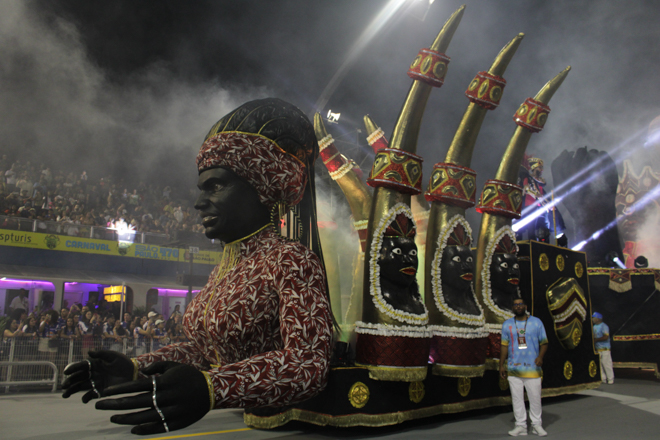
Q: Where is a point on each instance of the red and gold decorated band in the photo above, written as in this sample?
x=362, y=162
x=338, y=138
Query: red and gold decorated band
x=429, y=67
x=398, y=170
x=452, y=184
x=486, y=90
x=500, y=198
x=532, y=115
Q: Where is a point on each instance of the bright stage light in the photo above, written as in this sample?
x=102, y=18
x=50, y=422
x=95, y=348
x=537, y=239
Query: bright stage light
x=333, y=117
x=125, y=232
x=619, y=263
x=579, y=246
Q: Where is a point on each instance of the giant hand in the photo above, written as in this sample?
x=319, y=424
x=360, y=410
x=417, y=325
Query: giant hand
x=103, y=369
x=177, y=398
x=587, y=179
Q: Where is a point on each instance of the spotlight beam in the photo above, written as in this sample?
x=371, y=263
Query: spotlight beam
x=639, y=204
x=383, y=17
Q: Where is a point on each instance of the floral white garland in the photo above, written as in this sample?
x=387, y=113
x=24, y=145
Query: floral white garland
x=458, y=332
x=436, y=279
x=493, y=328
x=374, y=270
x=367, y=328
x=486, y=291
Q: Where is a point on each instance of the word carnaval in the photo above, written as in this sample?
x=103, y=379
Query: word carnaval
x=83, y=245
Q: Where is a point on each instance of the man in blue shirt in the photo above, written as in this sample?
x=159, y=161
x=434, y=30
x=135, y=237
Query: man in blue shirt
x=602, y=344
x=524, y=344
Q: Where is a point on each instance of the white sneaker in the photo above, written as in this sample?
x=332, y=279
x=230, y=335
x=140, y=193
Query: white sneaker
x=538, y=430
x=518, y=430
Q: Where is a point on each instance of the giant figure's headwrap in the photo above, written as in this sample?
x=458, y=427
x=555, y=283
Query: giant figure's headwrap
x=271, y=144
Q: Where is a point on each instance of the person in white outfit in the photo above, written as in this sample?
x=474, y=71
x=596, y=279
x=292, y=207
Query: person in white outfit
x=603, y=346
x=524, y=344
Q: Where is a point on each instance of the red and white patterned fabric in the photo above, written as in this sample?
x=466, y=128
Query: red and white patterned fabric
x=267, y=324
x=275, y=174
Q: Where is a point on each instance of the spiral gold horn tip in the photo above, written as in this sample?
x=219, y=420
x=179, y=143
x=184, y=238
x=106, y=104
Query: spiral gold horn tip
x=549, y=89
x=319, y=127
x=506, y=54
x=446, y=34
x=369, y=124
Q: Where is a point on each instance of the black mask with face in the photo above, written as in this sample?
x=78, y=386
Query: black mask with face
x=398, y=266
x=504, y=279
x=457, y=273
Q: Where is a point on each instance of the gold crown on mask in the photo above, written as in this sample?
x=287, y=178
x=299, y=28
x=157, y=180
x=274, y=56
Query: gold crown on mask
x=534, y=162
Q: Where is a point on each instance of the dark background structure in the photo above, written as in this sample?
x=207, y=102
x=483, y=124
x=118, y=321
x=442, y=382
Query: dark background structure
x=132, y=86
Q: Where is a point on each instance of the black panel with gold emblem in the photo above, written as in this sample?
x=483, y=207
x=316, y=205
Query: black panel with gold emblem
x=555, y=287
x=629, y=301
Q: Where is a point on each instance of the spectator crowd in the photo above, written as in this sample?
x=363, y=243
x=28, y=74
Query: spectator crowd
x=69, y=335
x=79, y=201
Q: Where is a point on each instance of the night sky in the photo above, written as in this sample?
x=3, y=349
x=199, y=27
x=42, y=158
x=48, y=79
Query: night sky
x=133, y=86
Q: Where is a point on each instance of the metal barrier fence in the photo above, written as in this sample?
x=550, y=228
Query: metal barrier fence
x=40, y=361
x=74, y=230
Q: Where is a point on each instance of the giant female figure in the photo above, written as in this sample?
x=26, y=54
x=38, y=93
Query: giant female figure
x=260, y=330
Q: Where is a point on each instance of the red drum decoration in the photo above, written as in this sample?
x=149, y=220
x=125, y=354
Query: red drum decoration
x=500, y=198
x=333, y=160
x=486, y=90
x=392, y=351
x=398, y=170
x=361, y=228
x=532, y=115
x=459, y=353
x=430, y=67
x=377, y=140
x=452, y=184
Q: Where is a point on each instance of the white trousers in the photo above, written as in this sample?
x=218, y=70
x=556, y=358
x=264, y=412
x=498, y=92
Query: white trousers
x=606, y=370
x=518, y=385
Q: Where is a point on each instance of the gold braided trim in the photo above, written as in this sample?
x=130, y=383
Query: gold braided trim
x=572, y=389
x=397, y=417
x=396, y=374
x=232, y=254
x=642, y=365
x=211, y=390
x=493, y=364
x=375, y=135
x=341, y=171
x=325, y=142
x=628, y=338
x=457, y=371
x=136, y=368
x=361, y=224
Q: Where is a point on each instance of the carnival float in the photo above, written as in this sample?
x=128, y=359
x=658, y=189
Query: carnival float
x=420, y=335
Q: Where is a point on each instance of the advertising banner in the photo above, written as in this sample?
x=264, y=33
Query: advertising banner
x=37, y=240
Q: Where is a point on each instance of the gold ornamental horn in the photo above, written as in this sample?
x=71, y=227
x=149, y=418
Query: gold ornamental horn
x=500, y=202
x=358, y=196
x=392, y=340
x=456, y=320
x=419, y=206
